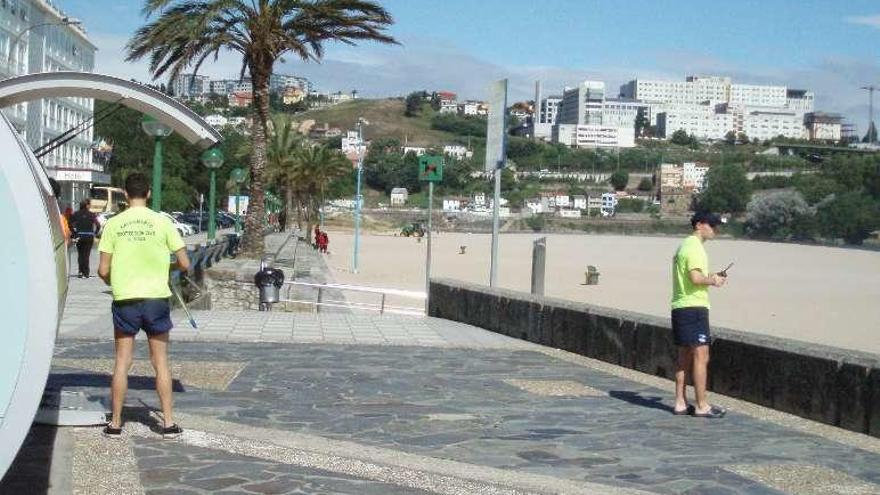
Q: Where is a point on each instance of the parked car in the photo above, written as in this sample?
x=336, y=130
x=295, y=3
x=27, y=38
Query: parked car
x=183, y=228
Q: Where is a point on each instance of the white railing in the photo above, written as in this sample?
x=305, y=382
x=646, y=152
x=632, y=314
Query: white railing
x=381, y=305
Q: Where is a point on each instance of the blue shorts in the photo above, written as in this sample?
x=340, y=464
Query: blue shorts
x=151, y=315
x=690, y=326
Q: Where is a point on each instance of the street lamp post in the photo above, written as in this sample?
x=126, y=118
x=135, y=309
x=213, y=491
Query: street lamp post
x=238, y=175
x=158, y=131
x=212, y=159
x=358, y=200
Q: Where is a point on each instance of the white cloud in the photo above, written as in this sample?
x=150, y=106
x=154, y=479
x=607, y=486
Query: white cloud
x=866, y=20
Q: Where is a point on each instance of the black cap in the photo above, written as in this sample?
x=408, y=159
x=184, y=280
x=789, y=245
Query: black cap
x=712, y=219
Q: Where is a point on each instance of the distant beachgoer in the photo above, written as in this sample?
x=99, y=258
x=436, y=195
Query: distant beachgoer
x=282, y=219
x=690, y=316
x=85, y=227
x=317, y=237
x=135, y=249
x=325, y=241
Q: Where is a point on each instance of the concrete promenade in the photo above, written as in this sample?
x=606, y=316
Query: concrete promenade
x=361, y=404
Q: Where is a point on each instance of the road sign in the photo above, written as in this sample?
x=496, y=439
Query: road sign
x=431, y=168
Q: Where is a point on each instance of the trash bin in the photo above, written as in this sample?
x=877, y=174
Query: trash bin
x=592, y=274
x=269, y=281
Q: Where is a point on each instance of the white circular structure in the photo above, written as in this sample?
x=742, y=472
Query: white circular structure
x=34, y=275
x=34, y=267
x=108, y=88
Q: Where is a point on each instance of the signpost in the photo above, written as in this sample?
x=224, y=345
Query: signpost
x=496, y=146
x=430, y=171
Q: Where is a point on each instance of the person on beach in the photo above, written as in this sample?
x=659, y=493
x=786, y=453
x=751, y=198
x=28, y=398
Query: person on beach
x=135, y=248
x=690, y=316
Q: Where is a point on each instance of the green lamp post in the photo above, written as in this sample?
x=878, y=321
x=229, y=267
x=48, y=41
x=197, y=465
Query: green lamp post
x=212, y=159
x=158, y=131
x=238, y=176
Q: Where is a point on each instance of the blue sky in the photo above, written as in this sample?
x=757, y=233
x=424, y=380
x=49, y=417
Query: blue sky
x=830, y=47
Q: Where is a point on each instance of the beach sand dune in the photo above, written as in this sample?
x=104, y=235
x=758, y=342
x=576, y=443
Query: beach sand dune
x=814, y=294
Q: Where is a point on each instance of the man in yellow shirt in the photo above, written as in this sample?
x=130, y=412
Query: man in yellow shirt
x=690, y=315
x=135, y=248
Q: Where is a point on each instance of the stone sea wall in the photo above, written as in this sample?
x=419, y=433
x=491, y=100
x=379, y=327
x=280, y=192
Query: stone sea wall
x=825, y=384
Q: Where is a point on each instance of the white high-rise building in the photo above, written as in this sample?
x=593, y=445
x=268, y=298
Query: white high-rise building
x=34, y=38
x=190, y=86
x=583, y=105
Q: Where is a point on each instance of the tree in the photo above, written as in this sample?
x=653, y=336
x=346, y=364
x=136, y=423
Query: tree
x=742, y=138
x=185, y=33
x=779, y=215
x=730, y=138
x=619, y=180
x=681, y=137
x=646, y=184
x=643, y=124
x=414, y=102
x=282, y=146
x=728, y=189
x=314, y=169
x=849, y=216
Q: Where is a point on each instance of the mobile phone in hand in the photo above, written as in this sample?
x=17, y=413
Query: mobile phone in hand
x=723, y=273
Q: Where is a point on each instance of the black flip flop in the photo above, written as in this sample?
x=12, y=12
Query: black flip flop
x=688, y=411
x=715, y=412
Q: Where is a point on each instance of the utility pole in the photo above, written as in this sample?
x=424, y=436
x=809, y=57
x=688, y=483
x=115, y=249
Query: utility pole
x=870, y=89
x=358, y=199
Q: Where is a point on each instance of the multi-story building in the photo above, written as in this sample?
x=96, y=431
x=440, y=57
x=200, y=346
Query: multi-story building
x=823, y=126
x=546, y=117
x=583, y=105
x=693, y=175
x=799, y=100
x=594, y=136
x=190, y=86
x=279, y=82
x=34, y=37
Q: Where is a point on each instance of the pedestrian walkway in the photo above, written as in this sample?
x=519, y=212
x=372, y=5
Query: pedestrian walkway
x=367, y=404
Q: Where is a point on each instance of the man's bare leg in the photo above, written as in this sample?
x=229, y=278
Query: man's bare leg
x=683, y=369
x=124, y=344
x=159, y=358
x=700, y=372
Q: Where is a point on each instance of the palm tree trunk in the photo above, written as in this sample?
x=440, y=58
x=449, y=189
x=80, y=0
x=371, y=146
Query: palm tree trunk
x=252, y=242
x=288, y=204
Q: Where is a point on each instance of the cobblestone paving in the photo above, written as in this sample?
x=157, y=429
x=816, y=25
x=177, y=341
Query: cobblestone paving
x=454, y=404
x=171, y=468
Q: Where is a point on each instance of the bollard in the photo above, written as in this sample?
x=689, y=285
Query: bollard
x=539, y=259
x=592, y=275
x=462, y=249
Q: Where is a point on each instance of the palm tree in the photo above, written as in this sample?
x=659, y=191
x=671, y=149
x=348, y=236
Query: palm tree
x=279, y=154
x=185, y=33
x=315, y=167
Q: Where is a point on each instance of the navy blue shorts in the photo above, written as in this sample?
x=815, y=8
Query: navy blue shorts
x=690, y=326
x=151, y=315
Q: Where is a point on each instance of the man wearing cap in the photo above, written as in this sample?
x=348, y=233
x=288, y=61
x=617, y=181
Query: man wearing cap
x=690, y=315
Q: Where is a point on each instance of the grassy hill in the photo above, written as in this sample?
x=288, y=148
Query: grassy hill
x=387, y=120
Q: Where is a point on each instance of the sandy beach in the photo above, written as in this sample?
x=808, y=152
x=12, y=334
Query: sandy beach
x=815, y=294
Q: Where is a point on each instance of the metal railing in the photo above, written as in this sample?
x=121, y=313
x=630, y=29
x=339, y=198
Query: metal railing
x=381, y=306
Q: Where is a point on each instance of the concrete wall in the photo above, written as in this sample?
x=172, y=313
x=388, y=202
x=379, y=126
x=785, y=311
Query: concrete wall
x=825, y=384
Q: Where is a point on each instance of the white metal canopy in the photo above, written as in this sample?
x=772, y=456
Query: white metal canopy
x=163, y=108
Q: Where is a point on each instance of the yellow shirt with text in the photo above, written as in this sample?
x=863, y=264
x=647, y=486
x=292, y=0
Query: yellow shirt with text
x=691, y=255
x=140, y=241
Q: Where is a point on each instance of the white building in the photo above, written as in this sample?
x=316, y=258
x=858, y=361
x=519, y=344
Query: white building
x=457, y=151
x=279, y=82
x=583, y=105
x=823, y=126
x=480, y=199
x=800, y=100
x=419, y=151
x=452, y=205
x=44, y=44
x=399, y=195
x=561, y=200
x=352, y=143
x=216, y=121
x=579, y=202
x=448, y=106
x=609, y=203
x=694, y=175
x=534, y=206
x=564, y=213
x=701, y=121
x=594, y=136
x=190, y=86
x=546, y=117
